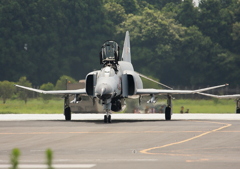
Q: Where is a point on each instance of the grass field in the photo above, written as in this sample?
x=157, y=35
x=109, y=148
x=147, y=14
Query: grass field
x=205, y=106
x=38, y=106
x=33, y=106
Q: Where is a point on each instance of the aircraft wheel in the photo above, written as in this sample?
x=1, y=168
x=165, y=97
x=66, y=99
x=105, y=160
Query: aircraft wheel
x=168, y=113
x=109, y=119
x=238, y=110
x=105, y=119
x=67, y=113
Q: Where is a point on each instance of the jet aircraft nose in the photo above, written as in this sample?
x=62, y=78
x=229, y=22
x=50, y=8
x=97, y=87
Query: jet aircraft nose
x=104, y=91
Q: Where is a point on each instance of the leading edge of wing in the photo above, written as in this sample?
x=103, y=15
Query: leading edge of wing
x=234, y=96
x=164, y=91
x=77, y=91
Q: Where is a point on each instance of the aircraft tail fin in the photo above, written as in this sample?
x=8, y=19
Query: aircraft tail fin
x=126, y=53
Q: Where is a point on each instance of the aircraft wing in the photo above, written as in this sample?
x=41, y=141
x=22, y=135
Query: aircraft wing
x=166, y=91
x=77, y=91
x=234, y=96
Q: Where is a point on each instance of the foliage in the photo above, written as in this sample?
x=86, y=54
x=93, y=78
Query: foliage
x=187, y=13
x=55, y=106
x=149, y=84
x=6, y=90
x=22, y=93
x=47, y=86
x=115, y=12
x=15, y=158
x=49, y=155
x=62, y=82
x=171, y=40
x=46, y=39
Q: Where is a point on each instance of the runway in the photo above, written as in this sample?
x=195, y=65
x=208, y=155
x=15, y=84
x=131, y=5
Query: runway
x=187, y=141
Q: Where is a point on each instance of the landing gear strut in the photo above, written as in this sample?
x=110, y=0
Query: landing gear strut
x=107, y=107
x=168, y=110
x=238, y=106
x=67, y=109
x=107, y=118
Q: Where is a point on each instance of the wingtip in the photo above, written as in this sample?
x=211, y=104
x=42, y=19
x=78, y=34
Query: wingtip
x=226, y=84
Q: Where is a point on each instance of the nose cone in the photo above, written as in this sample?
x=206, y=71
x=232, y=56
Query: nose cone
x=104, y=91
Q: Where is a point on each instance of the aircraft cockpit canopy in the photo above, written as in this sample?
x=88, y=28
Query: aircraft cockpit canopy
x=107, y=72
x=109, y=52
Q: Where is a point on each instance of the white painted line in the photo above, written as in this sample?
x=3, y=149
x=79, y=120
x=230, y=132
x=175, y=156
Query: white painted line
x=40, y=166
x=203, y=116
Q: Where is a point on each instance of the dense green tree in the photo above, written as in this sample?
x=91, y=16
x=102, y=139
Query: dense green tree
x=187, y=14
x=6, y=90
x=160, y=4
x=154, y=41
x=47, y=86
x=22, y=93
x=129, y=6
x=46, y=39
x=215, y=21
x=115, y=13
x=171, y=40
x=236, y=37
x=62, y=82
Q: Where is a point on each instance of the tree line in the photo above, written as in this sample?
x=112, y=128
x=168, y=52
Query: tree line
x=172, y=40
x=9, y=91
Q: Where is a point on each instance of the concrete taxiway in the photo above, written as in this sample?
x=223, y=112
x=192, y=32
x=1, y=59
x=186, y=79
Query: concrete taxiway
x=131, y=141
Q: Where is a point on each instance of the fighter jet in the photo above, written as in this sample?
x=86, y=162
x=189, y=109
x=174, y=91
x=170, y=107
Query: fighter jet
x=234, y=96
x=115, y=82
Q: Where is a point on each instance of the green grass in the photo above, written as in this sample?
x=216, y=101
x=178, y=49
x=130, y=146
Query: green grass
x=37, y=106
x=205, y=106
x=33, y=106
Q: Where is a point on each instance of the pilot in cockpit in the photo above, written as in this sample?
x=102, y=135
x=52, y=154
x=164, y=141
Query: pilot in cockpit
x=109, y=53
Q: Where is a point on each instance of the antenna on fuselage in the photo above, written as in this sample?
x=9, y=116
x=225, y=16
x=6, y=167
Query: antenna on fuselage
x=154, y=81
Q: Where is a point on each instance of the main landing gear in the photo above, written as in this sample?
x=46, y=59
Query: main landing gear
x=238, y=106
x=168, y=110
x=67, y=109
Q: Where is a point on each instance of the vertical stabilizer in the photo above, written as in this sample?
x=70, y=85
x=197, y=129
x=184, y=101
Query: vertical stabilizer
x=126, y=53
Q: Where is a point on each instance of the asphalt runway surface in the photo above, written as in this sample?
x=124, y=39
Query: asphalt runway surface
x=129, y=142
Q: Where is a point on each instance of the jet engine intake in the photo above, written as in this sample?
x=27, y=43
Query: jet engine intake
x=128, y=85
x=90, y=83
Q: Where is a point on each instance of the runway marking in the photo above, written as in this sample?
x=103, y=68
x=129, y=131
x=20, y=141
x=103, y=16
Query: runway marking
x=40, y=166
x=200, y=160
x=146, y=151
x=113, y=132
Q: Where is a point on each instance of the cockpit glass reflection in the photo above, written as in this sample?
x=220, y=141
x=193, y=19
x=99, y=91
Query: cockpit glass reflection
x=107, y=72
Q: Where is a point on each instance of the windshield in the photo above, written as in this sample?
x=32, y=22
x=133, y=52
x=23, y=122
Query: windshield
x=107, y=72
x=109, y=50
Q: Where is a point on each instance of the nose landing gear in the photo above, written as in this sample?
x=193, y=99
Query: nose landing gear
x=107, y=119
x=107, y=107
